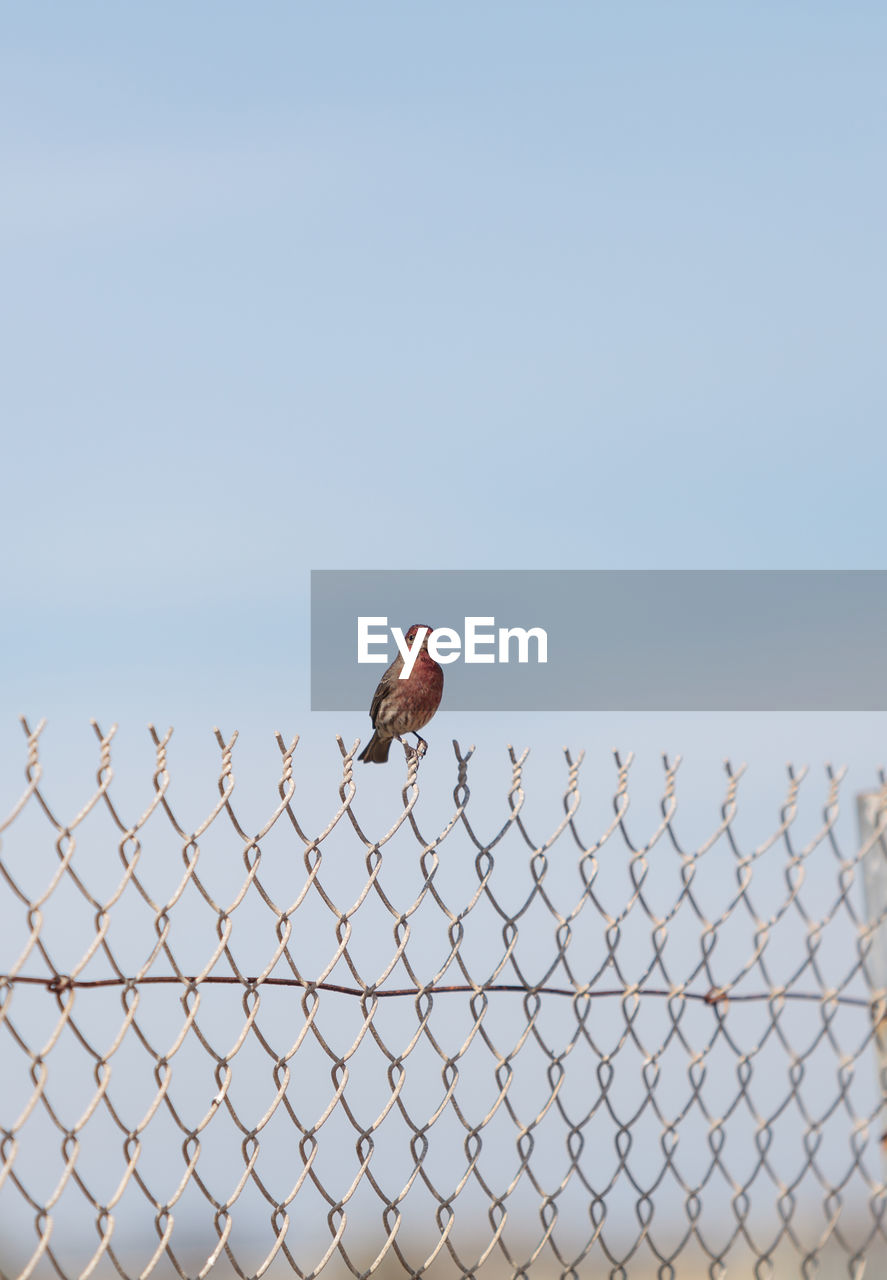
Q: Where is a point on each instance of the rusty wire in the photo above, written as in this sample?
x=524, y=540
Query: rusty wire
x=792, y=1139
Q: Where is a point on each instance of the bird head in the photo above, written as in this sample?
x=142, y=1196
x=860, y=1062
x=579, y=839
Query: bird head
x=410, y=636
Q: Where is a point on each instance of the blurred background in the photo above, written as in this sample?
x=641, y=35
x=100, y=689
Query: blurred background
x=389, y=286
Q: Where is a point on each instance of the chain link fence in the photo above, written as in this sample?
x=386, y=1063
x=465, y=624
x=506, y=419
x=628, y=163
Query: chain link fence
x=459, y=1044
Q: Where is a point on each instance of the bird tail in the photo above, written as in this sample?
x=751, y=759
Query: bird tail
x=376, y=750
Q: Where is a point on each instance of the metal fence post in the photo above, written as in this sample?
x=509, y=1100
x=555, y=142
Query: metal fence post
x=870, y=806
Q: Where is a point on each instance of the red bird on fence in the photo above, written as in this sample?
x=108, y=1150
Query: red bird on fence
x=404, y=706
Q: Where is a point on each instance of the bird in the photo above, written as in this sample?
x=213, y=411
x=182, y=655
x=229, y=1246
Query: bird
x=404, y=706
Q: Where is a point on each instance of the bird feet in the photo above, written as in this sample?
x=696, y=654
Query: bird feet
x=421, y=745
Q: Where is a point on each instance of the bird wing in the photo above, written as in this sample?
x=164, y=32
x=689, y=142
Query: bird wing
x=383, y=688
x=377, y=699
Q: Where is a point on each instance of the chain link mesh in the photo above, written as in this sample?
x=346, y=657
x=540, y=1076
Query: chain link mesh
x=452, y=1048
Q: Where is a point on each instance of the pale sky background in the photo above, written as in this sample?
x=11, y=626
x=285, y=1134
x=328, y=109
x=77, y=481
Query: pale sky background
x=499, y=285
x=395, y=285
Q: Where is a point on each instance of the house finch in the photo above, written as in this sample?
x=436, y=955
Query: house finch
x=404, y=706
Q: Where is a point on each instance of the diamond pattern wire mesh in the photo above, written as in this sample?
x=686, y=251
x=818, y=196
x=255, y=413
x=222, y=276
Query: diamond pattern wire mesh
x=440, y=1050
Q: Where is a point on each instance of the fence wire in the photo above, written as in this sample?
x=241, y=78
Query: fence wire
x=458, y=1047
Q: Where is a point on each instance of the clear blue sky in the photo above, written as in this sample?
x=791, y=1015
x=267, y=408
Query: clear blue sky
x=511, y=285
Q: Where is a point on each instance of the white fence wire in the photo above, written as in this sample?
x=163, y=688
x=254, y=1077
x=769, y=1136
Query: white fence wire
x=277, y=1048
